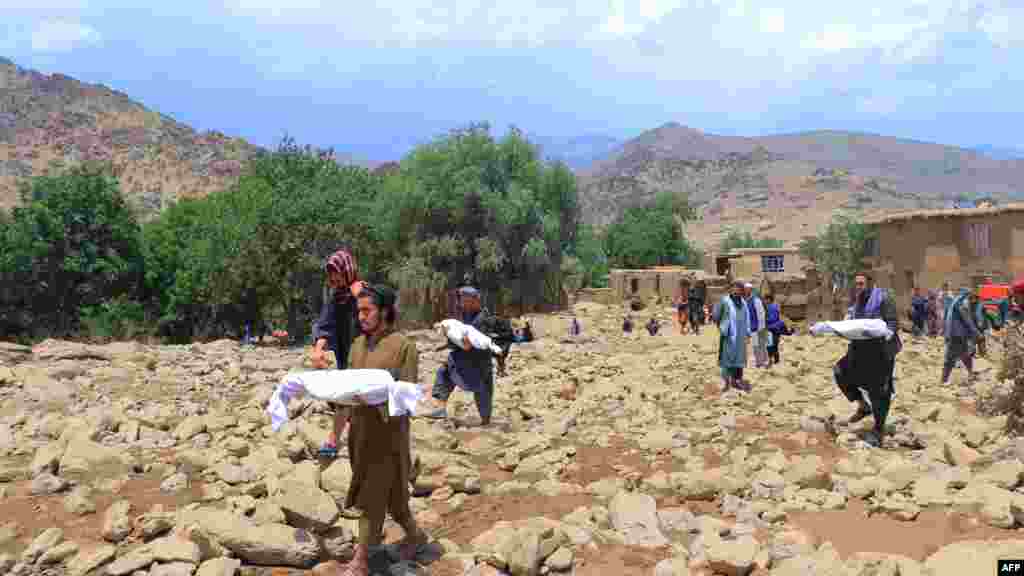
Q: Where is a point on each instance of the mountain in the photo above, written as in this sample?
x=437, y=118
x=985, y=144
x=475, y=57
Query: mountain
x=787, y=185
x=54, y=120
x=577, y=152
x=1000, y=153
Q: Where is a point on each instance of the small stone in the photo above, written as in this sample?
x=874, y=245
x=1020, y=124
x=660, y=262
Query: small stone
x=560, y=561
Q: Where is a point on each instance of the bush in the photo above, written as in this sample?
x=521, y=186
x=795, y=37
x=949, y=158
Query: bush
x=116, y=319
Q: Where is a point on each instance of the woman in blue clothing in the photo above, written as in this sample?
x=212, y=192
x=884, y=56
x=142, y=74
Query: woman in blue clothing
x=776, y=328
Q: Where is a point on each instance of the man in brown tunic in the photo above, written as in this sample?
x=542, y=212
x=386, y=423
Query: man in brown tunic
x=378, y=444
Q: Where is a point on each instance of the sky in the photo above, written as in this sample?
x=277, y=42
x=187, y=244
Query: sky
x=375, y=78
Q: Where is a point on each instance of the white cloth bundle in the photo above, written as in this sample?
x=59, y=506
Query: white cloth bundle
x=862, y=329
x=455, y=331
x=353, y=387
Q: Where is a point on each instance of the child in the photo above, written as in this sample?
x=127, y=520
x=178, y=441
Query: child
x=776, y=328
x=683, y=312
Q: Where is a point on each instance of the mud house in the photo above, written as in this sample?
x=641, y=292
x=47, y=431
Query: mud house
x=662, y=283
x=959, y=246
x=756, y=264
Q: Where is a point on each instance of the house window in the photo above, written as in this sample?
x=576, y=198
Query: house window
x=979, y=239
x=871, y=247
x=772, y=263
x=634, y=285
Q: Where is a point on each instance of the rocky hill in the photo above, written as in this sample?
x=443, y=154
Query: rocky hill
x=55, y=120
x=786, y=186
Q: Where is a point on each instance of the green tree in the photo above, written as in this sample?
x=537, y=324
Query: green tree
x=651, y=234
x=468, y=203
x=72, y=244
x=737, y=239
x=840, y=248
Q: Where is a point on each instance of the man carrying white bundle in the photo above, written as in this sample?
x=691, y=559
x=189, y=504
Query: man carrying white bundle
x=869, y=363
x=467, y=367
x=379, y=444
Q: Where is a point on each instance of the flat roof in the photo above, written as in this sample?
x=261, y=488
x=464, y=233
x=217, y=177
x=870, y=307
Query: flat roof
x=744, y=251
x=946, y=213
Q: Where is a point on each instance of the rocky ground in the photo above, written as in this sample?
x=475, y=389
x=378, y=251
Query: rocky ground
x=609, y=454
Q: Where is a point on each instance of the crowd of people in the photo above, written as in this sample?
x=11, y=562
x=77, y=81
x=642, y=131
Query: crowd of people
x=359, y=325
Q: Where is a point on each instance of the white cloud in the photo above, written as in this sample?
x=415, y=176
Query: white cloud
x=63, y=36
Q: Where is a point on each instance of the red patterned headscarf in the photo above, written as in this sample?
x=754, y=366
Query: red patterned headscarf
x=344, y=263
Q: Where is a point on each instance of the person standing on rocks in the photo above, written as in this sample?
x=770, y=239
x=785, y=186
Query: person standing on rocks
x=1012, y=366
x=698, y=292
x=733, y=328
x=981, y=320
x=379, y=445
x=869, y=364
x=336, y=328
x=776, y=328
x=934, y=318
x=918, y=311
x=961, y=332
x=467, y=367
x=683, y=310
x=758, y=326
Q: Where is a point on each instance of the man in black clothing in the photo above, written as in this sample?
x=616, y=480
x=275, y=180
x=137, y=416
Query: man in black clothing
x=467, y=368
x=869, y=364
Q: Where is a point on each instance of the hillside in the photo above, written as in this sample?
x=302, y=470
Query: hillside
x=786, y=186
x=56, y=120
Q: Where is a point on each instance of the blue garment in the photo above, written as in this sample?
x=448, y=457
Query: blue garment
x=773, y=319
x=752, y=322
x=734, y=327
x=958, y=324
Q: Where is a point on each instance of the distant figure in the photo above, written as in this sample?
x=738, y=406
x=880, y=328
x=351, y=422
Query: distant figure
x=574, y=327
x=776, y=328
x=527, y=332
x=697, y=314
x=918, y=311
x=961, y=332
x=734, y=331
x=934, y=314
x=627, y=324
x=652, y=326
x=683, y=311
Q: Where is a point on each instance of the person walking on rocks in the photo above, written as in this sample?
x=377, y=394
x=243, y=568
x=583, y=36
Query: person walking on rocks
x=961, y=331
x=758, y=326
x=918, y=311
x=467, y=367
x=683, y=310
x=1012, y=366
x=869, y=364
x=379, y=445
x=698, y=292
x=336, y=328
x=934, y=317
x=733, y=329
x=776, y=328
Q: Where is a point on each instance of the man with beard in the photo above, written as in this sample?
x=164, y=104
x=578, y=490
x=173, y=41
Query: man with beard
x=467, y=367
x=961, y=331
x=379, y=444
x=869, y=364
x=733, y=329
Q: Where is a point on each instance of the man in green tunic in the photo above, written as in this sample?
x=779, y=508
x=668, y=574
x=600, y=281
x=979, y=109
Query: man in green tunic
x=379, y=444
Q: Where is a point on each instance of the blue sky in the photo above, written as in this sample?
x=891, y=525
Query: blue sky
x=374, y=78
